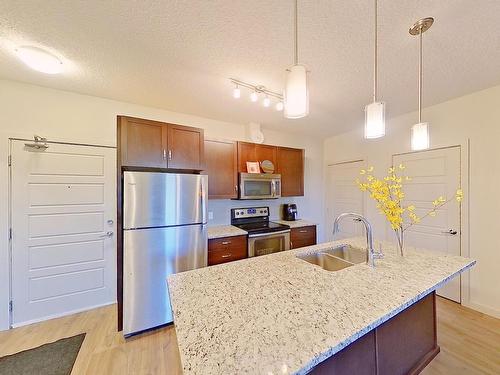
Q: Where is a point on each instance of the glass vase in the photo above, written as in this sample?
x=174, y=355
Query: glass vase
x=400, y=241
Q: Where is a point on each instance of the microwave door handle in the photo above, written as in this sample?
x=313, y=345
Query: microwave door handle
x=273, y=188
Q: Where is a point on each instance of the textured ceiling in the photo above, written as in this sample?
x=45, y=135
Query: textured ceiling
x=179, y=54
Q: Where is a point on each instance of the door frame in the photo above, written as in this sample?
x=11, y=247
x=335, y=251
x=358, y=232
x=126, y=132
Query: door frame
x=327, y=176
x=6, y=318
x=464, y=211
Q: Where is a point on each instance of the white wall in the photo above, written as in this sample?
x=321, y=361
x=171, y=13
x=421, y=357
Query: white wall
x=475, y=117
x=63, y=116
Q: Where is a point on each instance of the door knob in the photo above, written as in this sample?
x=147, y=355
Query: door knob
x=451, y=231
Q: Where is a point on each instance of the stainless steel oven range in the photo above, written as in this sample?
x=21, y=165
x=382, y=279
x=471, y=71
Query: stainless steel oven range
x=264, y=236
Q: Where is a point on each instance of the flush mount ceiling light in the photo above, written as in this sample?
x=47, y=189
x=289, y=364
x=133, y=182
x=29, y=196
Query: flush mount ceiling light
x=39, y=60
x=296, y=94
x=420, y=132
x=256, y=91
x=375, y=112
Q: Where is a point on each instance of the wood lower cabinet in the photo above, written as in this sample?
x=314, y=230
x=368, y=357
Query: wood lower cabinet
x=227, y=249
x=221, y=167
x=154, y=144
x=403, y=345
x=303, y=236
x=290, y=164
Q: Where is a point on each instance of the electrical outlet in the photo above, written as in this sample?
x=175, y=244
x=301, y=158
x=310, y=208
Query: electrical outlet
x=210, y=215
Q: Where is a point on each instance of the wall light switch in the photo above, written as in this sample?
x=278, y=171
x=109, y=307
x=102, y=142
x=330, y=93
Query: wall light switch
x=210, y=215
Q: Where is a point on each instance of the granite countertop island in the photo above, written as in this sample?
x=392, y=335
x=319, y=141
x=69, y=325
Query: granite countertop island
x=278, y=314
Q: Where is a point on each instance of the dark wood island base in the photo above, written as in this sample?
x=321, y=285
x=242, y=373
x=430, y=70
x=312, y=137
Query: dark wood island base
x=405, y=344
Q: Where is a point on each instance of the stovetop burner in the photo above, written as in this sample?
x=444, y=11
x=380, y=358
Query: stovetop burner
x=255, y=220
x=262, y=227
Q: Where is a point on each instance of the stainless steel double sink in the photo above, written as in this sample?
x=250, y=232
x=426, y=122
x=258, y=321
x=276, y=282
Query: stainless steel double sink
x=335, y=259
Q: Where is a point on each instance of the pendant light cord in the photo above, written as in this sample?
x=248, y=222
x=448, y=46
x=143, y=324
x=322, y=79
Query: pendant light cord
x=420, y=78
x=375, y=67
x=296, y=36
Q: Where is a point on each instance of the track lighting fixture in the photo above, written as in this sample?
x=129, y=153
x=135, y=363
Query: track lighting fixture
x=236, y=92
x=256, y=92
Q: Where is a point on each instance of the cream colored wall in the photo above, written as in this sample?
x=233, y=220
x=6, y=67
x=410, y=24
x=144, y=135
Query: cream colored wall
x=474, y=118
x=63, y=116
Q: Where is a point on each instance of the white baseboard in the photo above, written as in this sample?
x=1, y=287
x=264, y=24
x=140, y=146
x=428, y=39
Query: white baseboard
x=62, y=314
x=483, y=309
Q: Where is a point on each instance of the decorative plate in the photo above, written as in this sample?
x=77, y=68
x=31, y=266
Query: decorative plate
x=267, y=166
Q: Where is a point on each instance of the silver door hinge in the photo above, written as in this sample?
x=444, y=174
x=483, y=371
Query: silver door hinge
x=10, y=160
x=11, y=306
x=10, y=234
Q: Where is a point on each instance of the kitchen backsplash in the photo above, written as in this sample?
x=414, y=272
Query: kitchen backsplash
x=220, y=208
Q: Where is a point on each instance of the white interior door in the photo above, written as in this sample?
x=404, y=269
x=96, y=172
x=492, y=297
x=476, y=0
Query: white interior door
x=343, y=195
x=63, y=220
x=435, y=173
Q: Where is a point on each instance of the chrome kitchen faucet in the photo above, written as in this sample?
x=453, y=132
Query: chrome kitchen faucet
x=371, y=254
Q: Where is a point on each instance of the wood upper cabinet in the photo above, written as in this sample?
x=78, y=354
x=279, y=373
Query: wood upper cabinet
x=185, y=147
x=221, y=167
x=290, y=164
x=254, y=152
x=154, y=144
x=142, y=142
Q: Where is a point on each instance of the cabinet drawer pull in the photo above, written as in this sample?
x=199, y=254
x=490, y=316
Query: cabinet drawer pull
x=226, y=242
x=303, y=231
x=226, y=255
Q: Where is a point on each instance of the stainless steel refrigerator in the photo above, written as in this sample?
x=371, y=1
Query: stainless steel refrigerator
x=164, y=232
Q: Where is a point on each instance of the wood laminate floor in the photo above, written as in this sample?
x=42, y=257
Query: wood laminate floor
x=470, y=343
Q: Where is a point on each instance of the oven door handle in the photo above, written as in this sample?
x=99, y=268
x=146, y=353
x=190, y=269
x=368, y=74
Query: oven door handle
x=268, y=233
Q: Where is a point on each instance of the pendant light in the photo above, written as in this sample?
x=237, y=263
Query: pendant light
x=420, y=139
x=296, y=95
x=375, y=112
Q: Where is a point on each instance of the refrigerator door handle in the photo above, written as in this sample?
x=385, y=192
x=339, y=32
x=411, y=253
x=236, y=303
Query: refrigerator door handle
x=203, y=202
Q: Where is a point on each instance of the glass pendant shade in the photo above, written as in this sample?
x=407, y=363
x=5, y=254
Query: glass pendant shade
x=296, y=95
x=375, y=120
x=420, y=136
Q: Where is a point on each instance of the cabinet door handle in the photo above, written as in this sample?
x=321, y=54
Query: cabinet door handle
x=164, y=154
x=226, y=242
x=236, y=188
x=169, y=154
x=226, y=255
x=291, y=245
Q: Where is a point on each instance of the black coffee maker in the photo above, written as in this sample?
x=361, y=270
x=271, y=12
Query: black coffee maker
x=290, y=212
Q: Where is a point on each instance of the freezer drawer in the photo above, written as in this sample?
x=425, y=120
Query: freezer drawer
x=153, y=199
x=150, y=255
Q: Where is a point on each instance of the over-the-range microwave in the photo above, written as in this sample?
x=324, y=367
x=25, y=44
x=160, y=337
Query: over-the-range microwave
x=259, y=186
